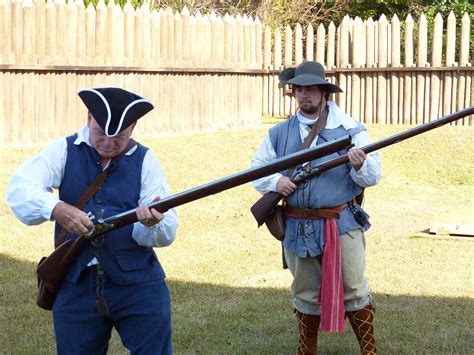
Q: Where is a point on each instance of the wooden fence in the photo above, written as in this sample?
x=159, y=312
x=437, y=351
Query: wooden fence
x=211, y=72
x=365, y=59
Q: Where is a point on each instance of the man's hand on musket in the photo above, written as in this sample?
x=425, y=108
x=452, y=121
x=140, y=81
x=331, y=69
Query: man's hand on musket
x=356, y=157
x=148, y=216
x=72, y=219
x=285, y=186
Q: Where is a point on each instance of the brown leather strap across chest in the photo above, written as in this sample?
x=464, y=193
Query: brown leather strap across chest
x=313, y=213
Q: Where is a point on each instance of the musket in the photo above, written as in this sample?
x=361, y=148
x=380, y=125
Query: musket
x=52, y=270
x=262, y=209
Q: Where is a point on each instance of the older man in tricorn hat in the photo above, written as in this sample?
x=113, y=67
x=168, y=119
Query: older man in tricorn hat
x=324, y=224
x=116, y=281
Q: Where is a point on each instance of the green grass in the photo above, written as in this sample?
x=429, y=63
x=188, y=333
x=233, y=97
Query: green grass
x=229, y=292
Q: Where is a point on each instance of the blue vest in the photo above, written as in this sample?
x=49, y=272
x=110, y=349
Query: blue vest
x=122, y=258
x=332, y=188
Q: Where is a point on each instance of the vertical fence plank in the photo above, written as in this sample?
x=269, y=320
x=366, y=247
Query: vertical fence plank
x=90, y=34
x=249, y=43
x=258, y=44
x=320, y=45
x=15, y=30
x=463, y=61
x=40, y=17
x=110, y=23
x=396, y=101
x=5, y=28
x=100, y=33
x=436, y=58
x=28, y=30
x=343, y=49
x=206, y=31
x=169, y=23
x=382, y=96
x=15, y=90
x=72, y=32
x=267, y=95
x=370, y=63
x=421, y=62
x=215, y=41
x=178, y=37
x=408, y=76
x=185, y=37
x=138, y=40
x=298, y=44
x=288, y=46
x=330, y=61
x=81, y=28
x=162, y=33
x=155, y=43
x=331, y=44
x=227, y=40
x=7, y=77
x=277, y=97
x=235, y=43
x=358, y=61
x=450, y=49
x=285, y=105
x=146, y=38
x=50, y=31
x=240, y=41
x=170, y=40
x=309, y=43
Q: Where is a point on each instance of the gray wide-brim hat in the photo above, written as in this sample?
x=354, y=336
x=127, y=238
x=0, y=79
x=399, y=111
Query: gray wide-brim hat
x=114, y=109
x=307, y=74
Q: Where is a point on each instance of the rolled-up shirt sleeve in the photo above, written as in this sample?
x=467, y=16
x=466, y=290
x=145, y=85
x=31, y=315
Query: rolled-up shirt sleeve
x=371, y=171
x=154, y=184
x=265, y=154
x=30, y=190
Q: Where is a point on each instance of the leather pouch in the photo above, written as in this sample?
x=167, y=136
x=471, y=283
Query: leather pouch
x=275, y=223
x=45, y=297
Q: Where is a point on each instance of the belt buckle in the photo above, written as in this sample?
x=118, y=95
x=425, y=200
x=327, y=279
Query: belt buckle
x=306, y=212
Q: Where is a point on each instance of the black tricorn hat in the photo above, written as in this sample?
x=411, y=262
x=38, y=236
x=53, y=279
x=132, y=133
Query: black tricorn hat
x=308, y=73
x=114, y=109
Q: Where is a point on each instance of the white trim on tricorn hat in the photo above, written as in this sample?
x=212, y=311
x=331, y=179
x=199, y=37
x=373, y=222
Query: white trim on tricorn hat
x=114, y=108
x=308, y=73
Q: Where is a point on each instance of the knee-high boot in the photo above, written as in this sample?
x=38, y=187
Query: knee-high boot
x=362, y=322
x=308, y=326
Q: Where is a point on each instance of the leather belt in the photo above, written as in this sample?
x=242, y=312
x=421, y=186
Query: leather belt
x=313, y=213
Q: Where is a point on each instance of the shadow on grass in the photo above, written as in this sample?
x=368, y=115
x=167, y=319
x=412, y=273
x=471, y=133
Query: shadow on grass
x=217, y=319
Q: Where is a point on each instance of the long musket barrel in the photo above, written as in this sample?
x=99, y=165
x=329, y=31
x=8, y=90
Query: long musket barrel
x=264, y=206
x=240, y=178
x=397, y=138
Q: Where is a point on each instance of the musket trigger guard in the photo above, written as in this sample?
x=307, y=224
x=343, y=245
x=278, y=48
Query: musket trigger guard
x=89, y=234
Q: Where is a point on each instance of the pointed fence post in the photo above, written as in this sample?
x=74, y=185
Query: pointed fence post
x=449, y=78
x=409, y=78
x=421, y=62
x=436, y=58
x=465, y=82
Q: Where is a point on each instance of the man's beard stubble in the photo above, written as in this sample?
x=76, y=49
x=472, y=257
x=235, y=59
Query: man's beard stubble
x=311, y=110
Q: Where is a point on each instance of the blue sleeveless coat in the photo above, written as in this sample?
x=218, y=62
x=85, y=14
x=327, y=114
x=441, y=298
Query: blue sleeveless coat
x=124, y=261
x=332, y=188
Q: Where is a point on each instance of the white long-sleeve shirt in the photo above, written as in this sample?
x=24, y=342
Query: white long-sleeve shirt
x=30, y=193
x=368, y=175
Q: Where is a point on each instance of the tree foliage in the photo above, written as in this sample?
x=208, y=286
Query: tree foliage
x=288, y=12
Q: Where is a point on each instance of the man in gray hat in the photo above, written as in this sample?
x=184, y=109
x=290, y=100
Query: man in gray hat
x=116, y=281
x=324, y=225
